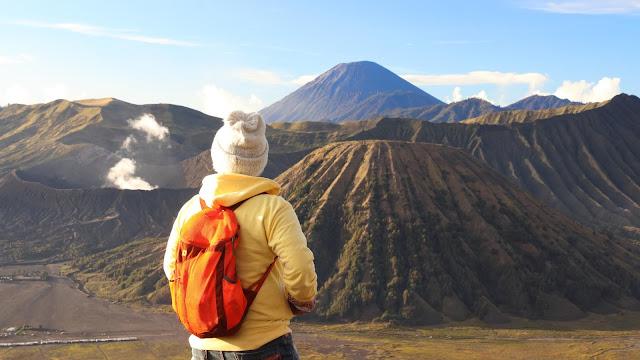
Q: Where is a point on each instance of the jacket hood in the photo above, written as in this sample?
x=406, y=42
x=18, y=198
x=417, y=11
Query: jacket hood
x=230, y=188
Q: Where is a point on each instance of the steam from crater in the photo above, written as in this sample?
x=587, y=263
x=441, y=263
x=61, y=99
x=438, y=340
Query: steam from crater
x=147, y=123
x=122, y=174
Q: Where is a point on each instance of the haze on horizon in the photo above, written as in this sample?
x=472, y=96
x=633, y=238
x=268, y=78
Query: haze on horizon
x=218, y=56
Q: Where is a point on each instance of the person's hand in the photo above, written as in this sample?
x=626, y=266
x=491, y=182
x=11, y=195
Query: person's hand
x=300, y=307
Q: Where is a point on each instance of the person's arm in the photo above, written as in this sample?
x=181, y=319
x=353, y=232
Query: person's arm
x=170, y=253
x=169, y=262
x=287, y=241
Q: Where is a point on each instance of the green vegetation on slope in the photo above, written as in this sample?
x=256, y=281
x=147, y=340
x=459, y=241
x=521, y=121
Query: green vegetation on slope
x=131, y=272
x=424, y=233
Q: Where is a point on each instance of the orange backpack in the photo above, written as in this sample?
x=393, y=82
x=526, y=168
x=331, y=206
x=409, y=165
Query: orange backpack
x=205, y=291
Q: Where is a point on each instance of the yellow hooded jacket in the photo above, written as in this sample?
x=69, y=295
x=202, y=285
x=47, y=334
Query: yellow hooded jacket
x=268, y=227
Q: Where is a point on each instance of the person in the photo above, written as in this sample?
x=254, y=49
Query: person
x=269, y=227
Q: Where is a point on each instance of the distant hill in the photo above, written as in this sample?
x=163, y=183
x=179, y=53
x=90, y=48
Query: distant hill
x=539, y=102
x=424, y=233
x=74, y=144
x=571, y=161
x=586, y=164
x=521, y=116
x=351, y=91
x=40, y=222
x=568, y=157
x=447, y=113
x=475, y=110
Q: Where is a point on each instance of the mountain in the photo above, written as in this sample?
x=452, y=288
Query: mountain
x=447, y=113
x=350, y=91
x=586, y=164
x=479, y=111
x=40, y=222
x=425, y=233
x=520, y=116
x=74, y=144
x=538, y=102
x=421, y=234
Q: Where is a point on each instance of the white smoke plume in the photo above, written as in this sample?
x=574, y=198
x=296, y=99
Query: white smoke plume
x=147, y=123
x=122, y=176
x=127, y=144
x=457, y=94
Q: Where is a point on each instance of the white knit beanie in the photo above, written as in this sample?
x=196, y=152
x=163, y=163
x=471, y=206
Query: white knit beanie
x=240, y=145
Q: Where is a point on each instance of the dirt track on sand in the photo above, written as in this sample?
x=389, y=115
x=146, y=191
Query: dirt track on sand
x=57, y=304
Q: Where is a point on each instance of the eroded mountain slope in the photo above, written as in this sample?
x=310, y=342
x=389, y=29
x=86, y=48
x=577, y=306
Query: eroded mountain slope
x=425, y=233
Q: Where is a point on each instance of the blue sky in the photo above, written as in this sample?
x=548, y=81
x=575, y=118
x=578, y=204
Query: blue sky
x=218, y=55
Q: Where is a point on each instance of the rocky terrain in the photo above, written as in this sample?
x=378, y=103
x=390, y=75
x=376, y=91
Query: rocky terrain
x=74, y=144
x=418, y=211
x=506, y=117
x=447, y=113
x=586, y=164
x=425, y=233
x=40, y=222
x=540, y=102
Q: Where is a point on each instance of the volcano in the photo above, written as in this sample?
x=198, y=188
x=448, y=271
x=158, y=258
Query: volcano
x=425, y=233
x=351, y=91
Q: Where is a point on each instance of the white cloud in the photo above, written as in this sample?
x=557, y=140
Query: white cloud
x=456, y=95
x=259, y=76
x=16, y=94
x=481, y=95
x=147, y=123
x=98, y=31
x=220, y=102
x=20, y=94
x=303, y=79
x=15, y=59
x=55, y=92
x=121, y=175
x=590, y=7
x=533, y=80
x=584, y=91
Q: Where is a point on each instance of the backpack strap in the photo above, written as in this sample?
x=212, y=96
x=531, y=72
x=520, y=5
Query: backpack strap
x=203, y=204
x=252, y=291
x=258, y=284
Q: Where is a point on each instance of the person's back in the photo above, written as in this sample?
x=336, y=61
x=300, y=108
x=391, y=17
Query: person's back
x=268, y=228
